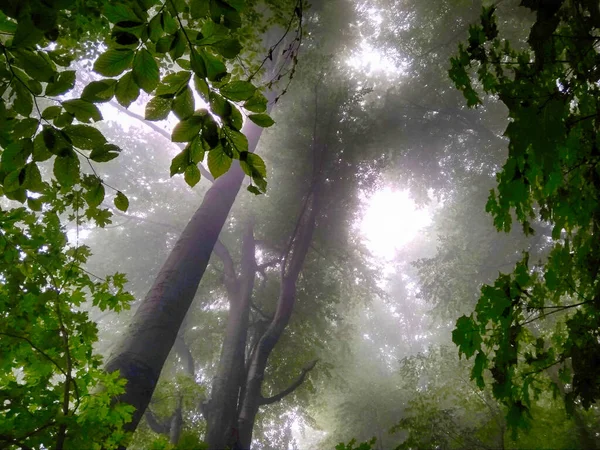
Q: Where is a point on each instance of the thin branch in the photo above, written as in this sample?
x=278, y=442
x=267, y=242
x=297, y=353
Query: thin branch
x=269, y=400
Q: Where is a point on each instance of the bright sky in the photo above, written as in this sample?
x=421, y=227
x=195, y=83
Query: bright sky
x=391, y=220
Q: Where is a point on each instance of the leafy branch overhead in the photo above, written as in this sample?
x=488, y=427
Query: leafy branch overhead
x=545, y=315
x=175, y=50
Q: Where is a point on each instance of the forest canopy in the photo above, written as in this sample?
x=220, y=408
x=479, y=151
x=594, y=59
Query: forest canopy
x=147, y=303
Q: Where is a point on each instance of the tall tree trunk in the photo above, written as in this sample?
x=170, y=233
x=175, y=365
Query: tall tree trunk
x=154, y=327
x=221, y=410
x=291, y=267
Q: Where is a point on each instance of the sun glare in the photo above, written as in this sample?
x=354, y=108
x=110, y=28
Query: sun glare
x=391, y=220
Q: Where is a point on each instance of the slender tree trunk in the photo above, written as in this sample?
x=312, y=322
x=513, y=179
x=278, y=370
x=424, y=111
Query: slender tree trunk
x=291, y=267
x=154, y=327
x=222, y=407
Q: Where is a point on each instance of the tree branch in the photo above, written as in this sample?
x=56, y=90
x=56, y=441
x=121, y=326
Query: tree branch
x=307, y=368
x=155, y=424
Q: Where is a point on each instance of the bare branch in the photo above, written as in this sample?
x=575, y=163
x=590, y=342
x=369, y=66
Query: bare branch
x=307, y=368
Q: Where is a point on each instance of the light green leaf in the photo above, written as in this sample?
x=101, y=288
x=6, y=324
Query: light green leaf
x=238, y=90
x=192, y=175
x=218, y=162
x=262, y=120
x=113, y=62
x=173, y=84
x=158, y=108
x=180, y=162
x=118, y=12
x=145, y=71
x=186, y=130
x=237, y=140
x=257, y=103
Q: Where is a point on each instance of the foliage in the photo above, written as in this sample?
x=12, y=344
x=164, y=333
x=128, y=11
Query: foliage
x=54, y=391
x=49, y=374
x=351, y=445
x=551, y=175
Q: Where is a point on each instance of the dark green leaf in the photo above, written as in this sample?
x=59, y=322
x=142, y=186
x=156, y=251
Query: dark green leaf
x=64, y=83
x=158, y=108
x=99, y=91
x=113, y=62
x=51, y=112
x=121, y=201
x=82, y=110
x=66, y=168
x=119, y=12
x=36, y=66
x=183, y=105
x=105, y=153
x=127, y=91
x=173, y=84
x=95, y=194
x=85, y=136
x=145, y=71
x=33, y=178
x=40, y=152
x=238, y=90
x=229, y=48
x=25, y=128
x=215, y=69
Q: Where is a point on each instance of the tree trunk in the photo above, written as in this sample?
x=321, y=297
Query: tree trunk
x=154, y=327
x=222, y=407
x=291, y=267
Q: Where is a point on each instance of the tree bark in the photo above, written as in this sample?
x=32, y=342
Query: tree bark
x=222, y=407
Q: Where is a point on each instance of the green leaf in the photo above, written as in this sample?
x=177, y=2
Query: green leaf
x=23, y=103
x=262, y=120
x=253, y=165
x=14, y=180
x=127, y=91
x=66, y=168
x=25, y=128
x=40, y=152
x=36, y=66
x=145, y=71
x=179, y=46
x=163, y=45
x=197, y=64
x=155, y=30
x=99, y=91
x=180, y=162
x=15, y=155
x=183, y=105
x=238, y=90
x=199, y=8
x=195, y=150
x=201, y=87
x=229, y=48
x=173, y=84
x=33, y=178
x=254, y=190
x=186, y=130
x=158, y=108
x=192, y=175
x=82, y=110
x=118, y=12
x=35, y=87
x=219, y=105
x=51, y=112
x=95, y=194
x=237, y=140
x=466, y=336
x=64, y=83
x=105, y=153
x=257, y=103
x=218, y=162
x=85, y=136
x=35, y=204
x=215, y=69
x=121, y=201
x=113, y=62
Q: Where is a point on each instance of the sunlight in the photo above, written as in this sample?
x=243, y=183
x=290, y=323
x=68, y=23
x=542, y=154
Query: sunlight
x=390, y=221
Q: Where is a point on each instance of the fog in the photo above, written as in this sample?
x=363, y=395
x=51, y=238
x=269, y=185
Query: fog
x=368, y=295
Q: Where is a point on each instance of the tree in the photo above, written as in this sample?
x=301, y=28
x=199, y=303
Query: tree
x=550, y=175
